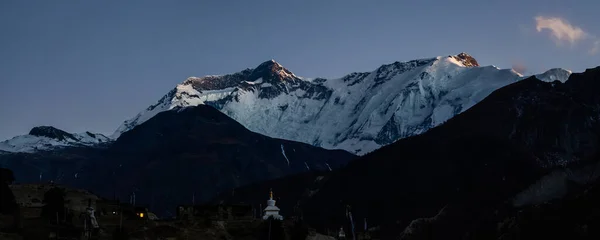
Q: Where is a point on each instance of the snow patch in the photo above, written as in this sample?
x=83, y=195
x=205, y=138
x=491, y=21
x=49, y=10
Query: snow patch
x=442, y=114
x=283, y=152
x=257, y=81
x=327, y=164
x=30, y=143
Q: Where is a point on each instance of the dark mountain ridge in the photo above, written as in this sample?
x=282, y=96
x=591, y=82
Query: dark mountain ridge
x=179, y=155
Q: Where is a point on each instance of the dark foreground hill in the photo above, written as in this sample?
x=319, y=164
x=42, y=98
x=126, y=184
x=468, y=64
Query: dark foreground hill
x=290, y=192
x=179, y=156
x=525, y=144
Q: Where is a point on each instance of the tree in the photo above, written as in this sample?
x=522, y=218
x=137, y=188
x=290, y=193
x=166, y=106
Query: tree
x=8, y=203
x=6, y=175
x=55, y=205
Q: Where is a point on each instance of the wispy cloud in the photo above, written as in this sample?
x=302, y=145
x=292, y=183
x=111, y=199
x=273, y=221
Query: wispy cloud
x=564, y=32
x=561, y=29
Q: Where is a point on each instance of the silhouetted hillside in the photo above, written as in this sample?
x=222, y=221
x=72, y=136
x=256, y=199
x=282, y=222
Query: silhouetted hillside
x=176, y=157
x=516, y=147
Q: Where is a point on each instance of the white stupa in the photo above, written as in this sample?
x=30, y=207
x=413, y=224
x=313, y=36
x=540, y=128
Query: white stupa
x=271, y=210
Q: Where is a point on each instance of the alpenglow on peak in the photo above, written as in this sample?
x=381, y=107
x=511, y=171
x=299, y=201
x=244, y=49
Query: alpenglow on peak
x=271, y=70
x=465, y=59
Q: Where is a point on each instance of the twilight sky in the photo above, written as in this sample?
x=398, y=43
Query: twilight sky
x=89, y=65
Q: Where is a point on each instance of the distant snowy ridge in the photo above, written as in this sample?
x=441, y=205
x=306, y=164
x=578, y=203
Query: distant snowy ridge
x=47, y=138
x=359, y=112
x=554, y=74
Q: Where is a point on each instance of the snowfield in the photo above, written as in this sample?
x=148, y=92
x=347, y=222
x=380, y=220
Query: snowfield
x=33, y=143
x=359, y=112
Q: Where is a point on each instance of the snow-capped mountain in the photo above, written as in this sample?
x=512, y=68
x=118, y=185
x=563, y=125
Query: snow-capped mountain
x=46, y=138
x=554, y=74
x=359, y=112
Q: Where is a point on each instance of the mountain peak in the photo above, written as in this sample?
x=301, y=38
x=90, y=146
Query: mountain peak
x=268, y=65
x=271, y=70
x=51, y=132
x=466, y=59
